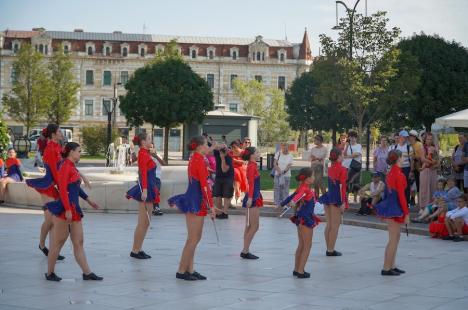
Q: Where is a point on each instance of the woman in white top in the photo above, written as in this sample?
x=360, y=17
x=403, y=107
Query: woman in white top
x=317, y=159
x=283, y=162
x=353, y=152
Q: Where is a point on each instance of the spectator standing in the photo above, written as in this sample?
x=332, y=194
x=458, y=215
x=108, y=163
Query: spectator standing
x=405, y=148
x=318, y=153
x=428, y=175
x=282, y=163
x=353, y=162
x=380, y=158
x=223, y=188
x=417, y=158
x=457, y=160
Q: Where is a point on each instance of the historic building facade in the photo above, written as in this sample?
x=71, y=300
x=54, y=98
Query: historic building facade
x=105, y=61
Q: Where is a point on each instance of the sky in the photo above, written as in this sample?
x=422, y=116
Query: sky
x=273, y=19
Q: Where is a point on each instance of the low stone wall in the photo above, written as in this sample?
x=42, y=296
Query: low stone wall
x=109, y=193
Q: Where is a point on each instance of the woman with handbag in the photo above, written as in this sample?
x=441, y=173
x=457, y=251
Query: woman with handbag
x=394, y=211
x=282, y=174
x=457, y=160
x=352, y=160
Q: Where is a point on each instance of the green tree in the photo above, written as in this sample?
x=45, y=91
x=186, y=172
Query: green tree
x=269, y=105
x=30, y=96
x=3, y=138
x=443, y=68
x=363, y=78
x=166, y=93
x=95, y=139
x=64, y=88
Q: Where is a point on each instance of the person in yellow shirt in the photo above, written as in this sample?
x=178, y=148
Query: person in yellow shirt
x=416, y=156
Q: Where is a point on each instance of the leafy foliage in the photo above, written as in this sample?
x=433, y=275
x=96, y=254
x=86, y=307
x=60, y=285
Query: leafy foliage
x=95, y=139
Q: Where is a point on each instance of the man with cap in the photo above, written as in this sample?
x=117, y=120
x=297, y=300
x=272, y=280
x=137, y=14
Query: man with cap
x=406, y=152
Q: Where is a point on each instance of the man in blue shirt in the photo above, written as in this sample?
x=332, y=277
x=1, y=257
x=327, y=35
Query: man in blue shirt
x=223, y=188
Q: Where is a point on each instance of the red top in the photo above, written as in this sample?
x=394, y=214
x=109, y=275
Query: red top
x=396, y=181
x=1, y=162
x=197, y=170
x=337, y=172
x=68, y=174
x=41, y=144
x=252, y=174
x=12, y=161
x=52, y=156
x=236, y=160
x=303, y=192
x=145, y=163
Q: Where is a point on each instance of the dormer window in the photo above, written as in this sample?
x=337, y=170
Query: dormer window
x=159, y=49
x=108, y=51
x=258, y=49
x=234, y=53
x=66, y=47
x=193, y=52
x=142, y=50
x=282, y=55
x=90, y=51
x=124, y=48
x=16, y=46
x=66, y=50
x=211, y=52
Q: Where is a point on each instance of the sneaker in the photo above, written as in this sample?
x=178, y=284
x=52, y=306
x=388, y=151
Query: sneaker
x=248, y=255
x=333, y=253
x=390, y=272
x=304, y=275
x=458, y=239
x=52, y=277
x=45, y=250
x=139, y=255
x=448, y=238
x=398, y=270
x=157, y=212
x=186, y=276
x=295, y=273
x=92, y=276
x=198, y=276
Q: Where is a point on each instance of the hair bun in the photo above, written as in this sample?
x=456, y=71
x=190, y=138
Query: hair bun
x=44, y=131
x=193, y=146
x=302, y=177
x=136, y=140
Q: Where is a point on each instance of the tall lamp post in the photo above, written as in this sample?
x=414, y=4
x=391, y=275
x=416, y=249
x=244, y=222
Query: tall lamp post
x=110, y=111
x=351, y=13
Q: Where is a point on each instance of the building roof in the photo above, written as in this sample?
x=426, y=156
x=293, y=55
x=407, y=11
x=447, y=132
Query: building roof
x=221, y=113
x=135, y=37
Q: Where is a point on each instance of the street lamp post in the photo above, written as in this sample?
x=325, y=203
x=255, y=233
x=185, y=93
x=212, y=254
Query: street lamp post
x=351, y=22
x=110, y=111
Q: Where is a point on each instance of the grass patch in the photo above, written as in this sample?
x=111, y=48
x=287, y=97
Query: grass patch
x=266, y=182
x=93, y=157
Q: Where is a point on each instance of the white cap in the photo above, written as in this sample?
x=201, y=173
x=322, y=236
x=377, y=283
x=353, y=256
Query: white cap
x=413, y=133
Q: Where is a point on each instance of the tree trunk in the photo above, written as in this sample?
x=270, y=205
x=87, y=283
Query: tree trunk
x=306, y=140
x=334, y=136
x=166, y=144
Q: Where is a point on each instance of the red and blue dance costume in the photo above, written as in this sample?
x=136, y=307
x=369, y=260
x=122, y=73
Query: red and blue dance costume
x=239, y=173
x=394, y=206
x=304, y=199
x=46, y=184
x=197, y=199
x=13, y=168
x=253, y=178
x=337, y=175
x=2, y=168
x=146, y=178
x=69, y=181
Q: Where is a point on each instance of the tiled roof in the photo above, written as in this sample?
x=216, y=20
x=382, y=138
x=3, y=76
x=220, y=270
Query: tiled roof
x=129, y=37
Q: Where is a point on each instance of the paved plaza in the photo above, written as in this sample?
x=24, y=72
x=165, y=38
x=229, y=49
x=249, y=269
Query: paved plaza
x=437, y=273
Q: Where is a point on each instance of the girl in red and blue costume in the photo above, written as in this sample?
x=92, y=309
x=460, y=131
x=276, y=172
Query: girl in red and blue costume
x=46, y=185
x=2, y=168
x=393, y=209
x=240, y=173
x=303, y=201
x=335, y=200
x=195, y=204
x=13, y=173
x=253, y=201
x=67, y=213
x=146, y=192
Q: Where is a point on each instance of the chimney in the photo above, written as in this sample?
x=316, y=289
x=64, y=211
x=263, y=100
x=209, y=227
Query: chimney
x=40, y=29
x=117, y=32
x=78, y=30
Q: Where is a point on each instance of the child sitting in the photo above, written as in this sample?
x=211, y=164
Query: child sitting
x=456, y=221
x=430, y=210
x=371, y=194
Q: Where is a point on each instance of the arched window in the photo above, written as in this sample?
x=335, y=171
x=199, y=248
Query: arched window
x=108, y=51
x=194, y=54
x=46, y=49
x=125, y=52
x=90, y=50
x=142, y=52
x=211, y=55
x=258, y=56
x=282, y=57
x=66, y=49
x=234, y=55
x=41, y=48
x=15, y=48
x=263, y=56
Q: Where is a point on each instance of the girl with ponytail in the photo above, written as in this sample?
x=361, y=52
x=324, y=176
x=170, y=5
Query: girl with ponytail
x=146, y=192
x=45, y=186
x=194, y=204
x=67, y=213
x=394, y=211
x=335, y=200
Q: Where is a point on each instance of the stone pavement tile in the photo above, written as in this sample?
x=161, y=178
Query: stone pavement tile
x=412, y=302
x=6, y=307
x=453, y=304
x=453, y=293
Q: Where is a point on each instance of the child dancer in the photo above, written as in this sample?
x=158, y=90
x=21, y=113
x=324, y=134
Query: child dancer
x=67, y=214
x=195, y=204
x=303, y=200
x=335, y=200
x=14, y=174
x=46, y=185
x=145, y=192
x=240, y=179
x=393, y=210
x=253, y=201
x=2, y=170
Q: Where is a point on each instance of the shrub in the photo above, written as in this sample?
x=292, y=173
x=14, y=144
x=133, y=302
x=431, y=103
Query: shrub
x=95, y=139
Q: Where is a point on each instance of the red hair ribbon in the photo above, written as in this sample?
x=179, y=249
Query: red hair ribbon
x=393, y=156
x=333, y=156
x=193, y=145
x=136, y=140
x=44, y=132
x=302, y=177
